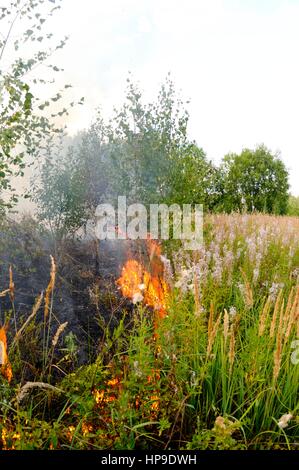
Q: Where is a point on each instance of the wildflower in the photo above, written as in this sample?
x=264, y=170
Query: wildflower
x=137, y=370
x=228, y=259
x=256, y=273
x=220, y=422
x=138, y=297
x=168, y=273
x=193, y=380
x=185, y=280
x=224, y=426
x=251, y=248
x=274, y=289
x=284, y=420
x=217, y=272
x=295, y=273
x=232, y=312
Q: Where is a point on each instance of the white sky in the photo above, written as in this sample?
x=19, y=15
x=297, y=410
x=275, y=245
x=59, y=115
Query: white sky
x=237, y=61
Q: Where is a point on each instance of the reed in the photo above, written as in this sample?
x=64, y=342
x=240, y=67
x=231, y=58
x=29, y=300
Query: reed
x=264, y=316
x=275, y=313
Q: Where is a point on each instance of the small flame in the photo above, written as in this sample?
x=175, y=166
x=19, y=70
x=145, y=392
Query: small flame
x=5, y=366
x=70, y=433
x=146, y=283
x=87, y=428
x=108, y=395
x=9, y=437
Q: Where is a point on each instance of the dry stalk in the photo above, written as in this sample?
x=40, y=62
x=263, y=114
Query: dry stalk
x=275, y=314
x=264, y=316
x=23, y=392
x=289, y=306
x=211, y=321
x=277, y=356
x=212, y=335
x=292, y=317
x=231, y=354
x=225, y=326
x=3, y=293
x=34, y=312
x=59, y=331
x=50, y=287
x=198, y=308
x=11, y=285
x=248, y=291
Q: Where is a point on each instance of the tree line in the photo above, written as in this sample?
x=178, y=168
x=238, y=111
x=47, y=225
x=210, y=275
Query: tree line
x=143, y=151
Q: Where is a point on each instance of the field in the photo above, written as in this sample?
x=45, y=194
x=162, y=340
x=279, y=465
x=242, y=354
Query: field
x=204, y=353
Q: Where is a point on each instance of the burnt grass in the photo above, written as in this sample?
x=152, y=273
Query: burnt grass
x=85, y=295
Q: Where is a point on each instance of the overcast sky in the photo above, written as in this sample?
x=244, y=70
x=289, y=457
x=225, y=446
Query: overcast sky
x=236, y=60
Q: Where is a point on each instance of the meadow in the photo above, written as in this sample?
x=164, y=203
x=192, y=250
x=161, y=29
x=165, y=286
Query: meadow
x=205, y=353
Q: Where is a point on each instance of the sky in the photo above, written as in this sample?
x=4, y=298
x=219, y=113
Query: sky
x=236, y=60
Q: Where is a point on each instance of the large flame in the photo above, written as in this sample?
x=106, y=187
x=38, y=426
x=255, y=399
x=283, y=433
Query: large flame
x=146, y=285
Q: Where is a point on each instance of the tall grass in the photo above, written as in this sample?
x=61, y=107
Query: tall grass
x=218, y=372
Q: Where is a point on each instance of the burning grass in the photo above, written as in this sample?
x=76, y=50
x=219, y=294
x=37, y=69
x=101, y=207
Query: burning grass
x=206, y=359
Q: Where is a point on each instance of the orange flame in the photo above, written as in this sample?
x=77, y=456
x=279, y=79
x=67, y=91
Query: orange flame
x=147, y=284
x=5, y=366
x=139, y=284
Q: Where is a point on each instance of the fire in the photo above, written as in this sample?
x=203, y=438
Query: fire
x=108, y=395
x=131, y=279
x=87, y=428
x=9, y=438
x=5, y=366
x=3, y=437
x=70, y=433
x=113, y=382
x=146, y=285
x=155, y=402
x=99, y=396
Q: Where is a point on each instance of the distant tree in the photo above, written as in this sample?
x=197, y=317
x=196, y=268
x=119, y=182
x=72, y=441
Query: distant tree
x=293, y=205
x=146, y=140
x=75, y=176
x=254, y=180
x=24, y=124
x=194, y=179
x=61, y=191
x=142, y=153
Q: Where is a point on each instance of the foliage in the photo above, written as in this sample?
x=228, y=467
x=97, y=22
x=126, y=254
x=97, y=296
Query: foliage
x=24, y=122
x=293, y=206
x=61, y=191
x=143, y=153
x=147, y=141
x=255, y=180
x=193, y=179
